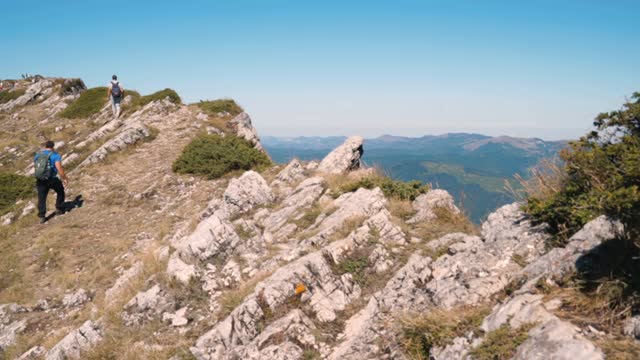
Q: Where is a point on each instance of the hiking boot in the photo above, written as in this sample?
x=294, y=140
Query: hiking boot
x=43, y=220
x=60, y=212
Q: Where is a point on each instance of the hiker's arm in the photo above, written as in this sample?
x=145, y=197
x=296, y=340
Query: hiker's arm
x=109, y=93
x=61, y=172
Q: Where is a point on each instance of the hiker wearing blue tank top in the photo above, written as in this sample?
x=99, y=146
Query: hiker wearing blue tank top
x=115, y=95
x=49, y=173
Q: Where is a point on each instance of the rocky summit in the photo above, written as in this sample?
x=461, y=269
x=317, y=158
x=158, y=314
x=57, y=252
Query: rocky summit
x=308, y=260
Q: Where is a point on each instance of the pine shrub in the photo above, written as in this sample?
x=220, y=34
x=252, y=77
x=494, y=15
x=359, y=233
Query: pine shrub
x=13, y=188
x=602, y=176
x=89, y=103
x=214, y=156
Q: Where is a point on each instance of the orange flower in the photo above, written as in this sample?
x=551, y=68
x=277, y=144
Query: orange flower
x=300, y=288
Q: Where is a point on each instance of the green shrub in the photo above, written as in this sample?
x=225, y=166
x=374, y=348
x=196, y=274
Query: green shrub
x=602, y=176
x=213, y=107
x=13, y=188
x=6, y=96
x=89, y=103
x=403, y=190
x=140, y=101
x=214, y=156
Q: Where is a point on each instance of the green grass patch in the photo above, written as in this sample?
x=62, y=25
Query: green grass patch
x=89, y=103
x=214, y=156
x=215, y=107
x=13, y=188
x=394, y=189
x=6, y=96
x=501, y=344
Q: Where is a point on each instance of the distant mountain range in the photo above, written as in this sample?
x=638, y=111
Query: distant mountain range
x=471, y=167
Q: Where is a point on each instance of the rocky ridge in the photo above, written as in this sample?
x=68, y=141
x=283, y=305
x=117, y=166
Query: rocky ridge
x=279, y=265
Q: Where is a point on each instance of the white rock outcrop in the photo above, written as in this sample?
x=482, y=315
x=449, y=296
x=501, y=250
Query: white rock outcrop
x=345, y=157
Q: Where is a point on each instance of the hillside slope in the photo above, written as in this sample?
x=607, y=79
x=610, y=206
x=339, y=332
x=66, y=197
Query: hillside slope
x=304, y=261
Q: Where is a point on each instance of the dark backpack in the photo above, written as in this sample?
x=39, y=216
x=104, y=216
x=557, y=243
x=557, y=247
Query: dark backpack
x=115, y=89
x=42, y=166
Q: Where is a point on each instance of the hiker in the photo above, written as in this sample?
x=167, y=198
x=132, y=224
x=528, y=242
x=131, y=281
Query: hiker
x=48, y=172
x=115, y=95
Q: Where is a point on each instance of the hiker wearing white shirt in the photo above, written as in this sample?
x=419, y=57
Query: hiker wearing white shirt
x=115, y=95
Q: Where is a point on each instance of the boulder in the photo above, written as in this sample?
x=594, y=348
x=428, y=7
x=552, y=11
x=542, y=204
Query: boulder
x=345, y=157
x=246, y=192
x=425, y=204
x=77, y=341
x=78, y=298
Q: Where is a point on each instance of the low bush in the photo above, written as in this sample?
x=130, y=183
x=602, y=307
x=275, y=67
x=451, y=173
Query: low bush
x=13, y=188
x=395, y=189
x=89, y=103
x=214, y=156
x=140, y=101
x=215, y=107
x=6, y=96
x=602, y=177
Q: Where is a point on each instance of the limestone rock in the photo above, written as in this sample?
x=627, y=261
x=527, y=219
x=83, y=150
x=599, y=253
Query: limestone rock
x=130, y=135
x=578, y=254
x=213, y=236
x=425, y=204
x=9, y=332
x=76, y=299
x=305, y=194
x=179, y=318
x=122, y=281
x=244, y=129
x=180, y=270
x=32, y=92
x=145, y=305
x=363, y=333
x=291, y=173
x=552, y=338
x=247, y=191
x=362, y=203
x=36, y=352
x=632, y=327
x=81, y=339
x=345, y=157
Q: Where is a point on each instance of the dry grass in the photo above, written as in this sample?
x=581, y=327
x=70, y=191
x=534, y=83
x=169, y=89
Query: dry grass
x=544, y=182
x=501, y=344
x=230, y=299
x=309, y=217
x=420, y=332
x=620, y=349
x=446, y=222
x=347, y=227
x=402, y=209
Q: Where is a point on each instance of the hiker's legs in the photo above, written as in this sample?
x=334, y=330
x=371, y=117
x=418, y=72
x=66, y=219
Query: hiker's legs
x=113, y=107
x=117, y=110
x=57, y=186
x=43, y=190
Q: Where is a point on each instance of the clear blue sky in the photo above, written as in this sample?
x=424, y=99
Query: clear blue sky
x=534, y=68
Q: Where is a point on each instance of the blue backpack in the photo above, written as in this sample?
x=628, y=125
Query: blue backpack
x=115, y=89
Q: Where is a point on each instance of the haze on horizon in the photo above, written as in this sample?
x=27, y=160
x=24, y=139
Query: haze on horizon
x=410, y=68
